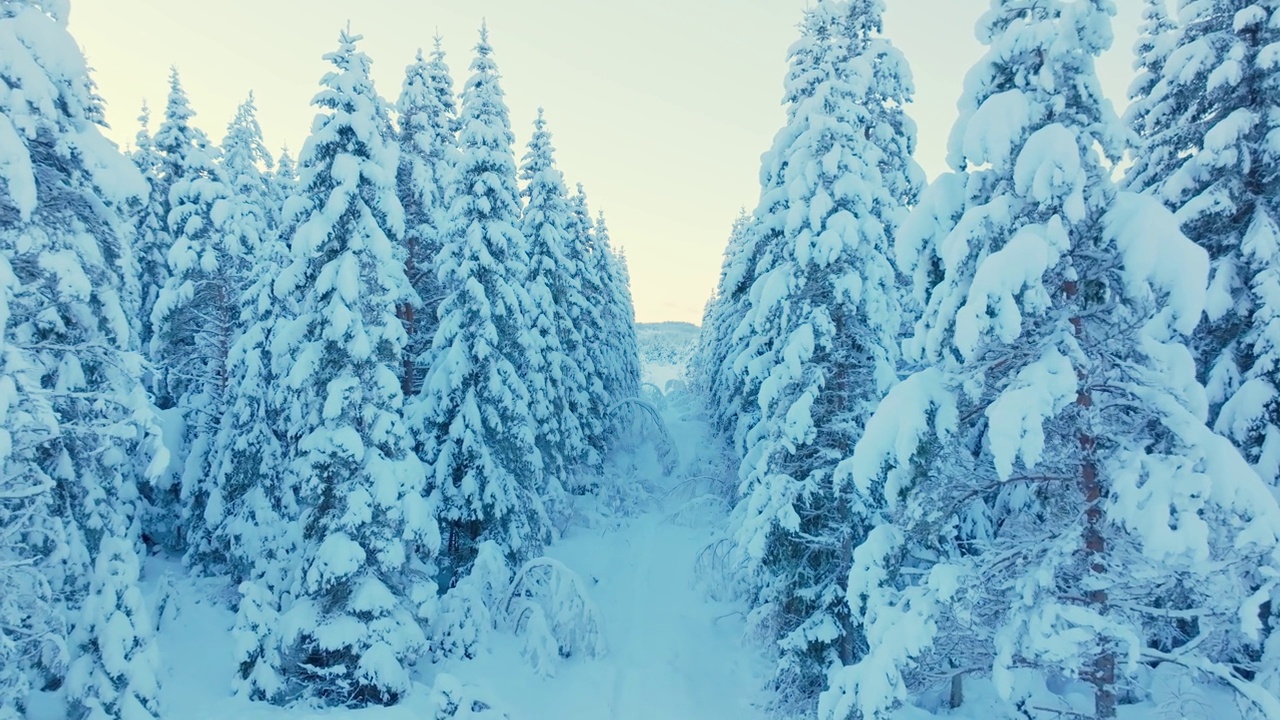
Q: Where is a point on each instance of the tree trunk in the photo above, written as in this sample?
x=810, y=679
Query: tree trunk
x=405, y=312
x=228, y=314
x=407, y=379
x=1101, y=673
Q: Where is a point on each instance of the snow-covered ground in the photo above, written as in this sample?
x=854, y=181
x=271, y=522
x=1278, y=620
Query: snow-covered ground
x=673, y=653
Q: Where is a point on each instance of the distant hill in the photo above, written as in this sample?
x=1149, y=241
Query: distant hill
x=666, y=343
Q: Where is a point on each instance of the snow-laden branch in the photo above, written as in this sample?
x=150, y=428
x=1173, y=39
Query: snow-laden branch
x=1253, y=692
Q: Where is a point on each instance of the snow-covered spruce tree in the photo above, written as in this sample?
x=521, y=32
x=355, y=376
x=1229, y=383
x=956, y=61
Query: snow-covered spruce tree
x=256, y=529
x=282, y=184
x=247, y=452
x=349, y=632
x=1211, y=112
x=116, y=673
x=83, y=420
x=251, y=520
x=183, y=147
x=177, y=149
x=180, y=152
x=828, y=308
x=612, y=367
x=1210, y=117
x=247, y=166
x=1051, y=496
x=150, y=242
x=579, y=312
x=62, y=234
x=735, y=391
x=555, y=292
x=720, y=316
x=256, y=638
x=194, y=185
x=621, y=371
x=195, y=321
x=729, y=393
x=1148, y=110
x=31, y=628
x=244, y=451
x=225, y=222
x=252, y=513
x=474, y=425
x=428, y=149
x=579, y=249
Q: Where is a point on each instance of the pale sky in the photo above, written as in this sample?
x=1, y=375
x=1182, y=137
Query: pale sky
x=661, y=108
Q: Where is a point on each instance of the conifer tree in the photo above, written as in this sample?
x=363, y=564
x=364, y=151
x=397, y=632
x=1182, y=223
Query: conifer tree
x=257, y=638
x=1207, y=125
x=177, y=149
x=182, y=146
x=247, y=167
x=1052, y=494
x=731, y=392
x=621, y=371
x=828, y=308
x=349, y=633
x=150, y=244
x=77, y=420
x=1209, y=115
x=255, y=506
x=475, y=428
x=428, y=151
x=556, y=298
x=256, y=532
x=116, y=672
x=588, y=319
x=609, y=331
x=195, y=321
x=221, y=222
x=183, y=161
x=577, y=313
x=31, y=628
x=1148, y=113
x=65, y=242
x=282, y=184
x=719, y=316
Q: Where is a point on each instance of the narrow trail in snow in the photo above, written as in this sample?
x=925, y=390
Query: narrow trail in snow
x=676, y=655
x=679, y=654
x=628, y=633
x=673, y=654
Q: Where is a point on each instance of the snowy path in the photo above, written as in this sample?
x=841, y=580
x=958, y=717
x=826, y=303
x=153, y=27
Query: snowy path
x=670, y=657
x=673, y=654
